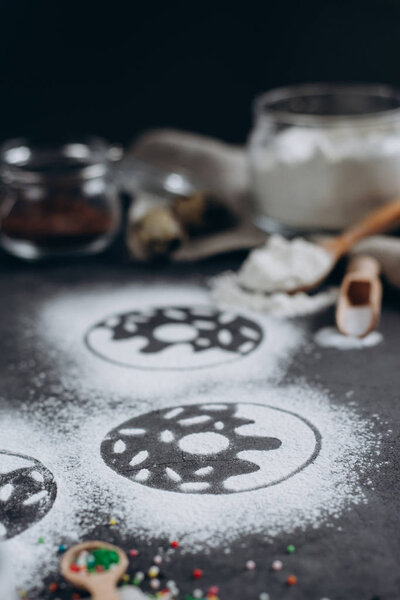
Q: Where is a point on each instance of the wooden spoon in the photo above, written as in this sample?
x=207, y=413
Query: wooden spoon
x=360, y=298
x=380, y=220
x=101, y=586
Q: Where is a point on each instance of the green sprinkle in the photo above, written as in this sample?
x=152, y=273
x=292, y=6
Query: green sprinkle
x=41, y=540
x=290, y=549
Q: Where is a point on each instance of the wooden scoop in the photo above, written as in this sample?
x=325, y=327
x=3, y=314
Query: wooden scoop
x=380, y=220
x=101, y=586
x=360, y=297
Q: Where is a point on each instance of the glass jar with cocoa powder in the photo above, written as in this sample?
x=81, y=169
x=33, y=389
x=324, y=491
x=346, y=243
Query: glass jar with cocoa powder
x=58, y=200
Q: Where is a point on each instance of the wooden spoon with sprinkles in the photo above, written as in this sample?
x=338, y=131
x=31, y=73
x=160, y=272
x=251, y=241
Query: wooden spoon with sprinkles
x=99, y=580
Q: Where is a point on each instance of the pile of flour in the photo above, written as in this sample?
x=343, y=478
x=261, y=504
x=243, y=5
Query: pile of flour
x=330, y=337
x=314, y=178
x=90, y=397
x=284, y=265
x=268, y=272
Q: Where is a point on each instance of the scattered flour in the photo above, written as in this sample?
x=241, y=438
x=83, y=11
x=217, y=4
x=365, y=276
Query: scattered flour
x=75, y=402
x=132, y=592
x=89, y=492
x=226, y=290
x=330, y=337
x=284, y=265
x=269, y=272
x=62, y=323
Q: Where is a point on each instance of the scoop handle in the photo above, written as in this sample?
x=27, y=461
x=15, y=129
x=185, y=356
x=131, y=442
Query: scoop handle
x=364, y=266
x=380, y=220
x=104, y=591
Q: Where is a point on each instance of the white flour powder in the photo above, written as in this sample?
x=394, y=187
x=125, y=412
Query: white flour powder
x=132, y=592
x=330, y=337
x=65, y=320
x=89, y=492
x=357, y=320
x=280, y=265
x=284, y=265
x=226, y=290
x=64, y=428
x=315, y=178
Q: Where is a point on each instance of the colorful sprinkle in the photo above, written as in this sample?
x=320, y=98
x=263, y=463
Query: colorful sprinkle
x=172, y=587
x=113, y=521
x=292, y=580
x=138, y=578
x=155, y=584
x=157, y=559
x=290, y=549
x=174, y=544
x=53, y=587
x=197, y=573
x=250, y=565
x=133, y=552
x=61, y=549
x=213, y=590
x=40, y=540
x=277, y=565
x=125, y=578
x=153, y=572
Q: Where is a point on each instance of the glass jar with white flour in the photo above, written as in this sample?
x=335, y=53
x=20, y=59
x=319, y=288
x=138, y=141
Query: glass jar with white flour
x=323, y=155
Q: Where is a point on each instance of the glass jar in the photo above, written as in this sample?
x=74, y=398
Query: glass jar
x=323, y=155
x=58, y=200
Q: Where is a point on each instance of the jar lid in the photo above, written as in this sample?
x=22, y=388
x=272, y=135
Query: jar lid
x=27, y=163
x=329, y=104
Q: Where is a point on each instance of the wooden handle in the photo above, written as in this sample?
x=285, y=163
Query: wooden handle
x=105, y=590
x=376, y=222
x=364, y=266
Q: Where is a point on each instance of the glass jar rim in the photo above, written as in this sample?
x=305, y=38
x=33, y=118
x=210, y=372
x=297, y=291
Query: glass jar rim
x=28, y=163
x=263, y=105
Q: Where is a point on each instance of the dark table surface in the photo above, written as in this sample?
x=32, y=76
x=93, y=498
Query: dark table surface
x=356, y=557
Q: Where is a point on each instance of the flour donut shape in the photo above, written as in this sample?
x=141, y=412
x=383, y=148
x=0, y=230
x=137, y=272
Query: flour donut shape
x=27, y=493
x=176, y=337
x=212, y=448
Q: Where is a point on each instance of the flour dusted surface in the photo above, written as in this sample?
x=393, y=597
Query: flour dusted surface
x=226, y=290
x=101, y=396
x=330, y=337
x=267, y=277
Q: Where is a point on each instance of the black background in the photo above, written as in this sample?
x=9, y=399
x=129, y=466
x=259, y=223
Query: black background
x=118, y=68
